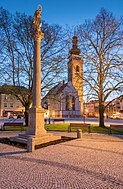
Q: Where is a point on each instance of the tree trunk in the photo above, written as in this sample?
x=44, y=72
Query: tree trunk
x=26, y=116
x=101, y=115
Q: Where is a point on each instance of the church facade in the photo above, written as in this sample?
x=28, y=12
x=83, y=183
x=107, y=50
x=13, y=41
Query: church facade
x=66, y=99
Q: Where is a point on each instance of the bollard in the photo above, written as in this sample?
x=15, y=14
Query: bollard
x=79, y=133
x=30, y=145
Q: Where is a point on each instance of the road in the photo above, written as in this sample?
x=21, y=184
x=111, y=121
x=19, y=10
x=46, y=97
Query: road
x=92, y=121
x=77, y=120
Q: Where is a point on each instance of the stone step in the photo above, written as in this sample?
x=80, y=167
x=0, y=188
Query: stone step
x=18, y=139
x=46, y=140
x=36, y=140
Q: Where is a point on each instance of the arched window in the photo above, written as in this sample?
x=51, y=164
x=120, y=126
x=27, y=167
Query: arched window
x=77, y=68
x=70, y=102
x=45, y=105
x=67, y=102
x=73, y=103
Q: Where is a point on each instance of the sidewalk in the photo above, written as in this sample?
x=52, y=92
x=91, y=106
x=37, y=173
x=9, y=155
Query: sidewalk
x=85, y=136
x=93, y=162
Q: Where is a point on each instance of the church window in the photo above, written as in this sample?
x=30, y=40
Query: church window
x=45, y=105
x=70, y=103
x=67, y=102
x=77, y=68
x=60, y=103
x=73, y=103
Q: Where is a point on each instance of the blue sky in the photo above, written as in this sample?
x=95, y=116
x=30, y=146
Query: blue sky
x=64, y=12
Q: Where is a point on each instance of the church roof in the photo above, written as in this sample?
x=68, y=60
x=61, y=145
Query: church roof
x=62, y=87
x=57, y=89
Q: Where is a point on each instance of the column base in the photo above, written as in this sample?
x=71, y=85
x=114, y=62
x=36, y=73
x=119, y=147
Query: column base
x=36, y=122
x=32, y=140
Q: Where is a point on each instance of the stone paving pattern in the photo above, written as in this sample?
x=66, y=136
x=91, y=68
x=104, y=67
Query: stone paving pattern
x=95, y=162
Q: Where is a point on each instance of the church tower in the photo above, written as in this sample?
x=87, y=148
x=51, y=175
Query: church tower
x=75, y=70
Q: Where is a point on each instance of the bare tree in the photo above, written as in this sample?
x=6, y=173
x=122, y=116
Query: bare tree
x=7, y=51
x=17, y=61
x=102, y=45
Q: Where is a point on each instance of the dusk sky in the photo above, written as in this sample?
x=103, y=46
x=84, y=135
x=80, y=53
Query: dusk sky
x=62, y=12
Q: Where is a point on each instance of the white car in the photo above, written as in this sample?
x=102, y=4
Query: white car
x=117, y=116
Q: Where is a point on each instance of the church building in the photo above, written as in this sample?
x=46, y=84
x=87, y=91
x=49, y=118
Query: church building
x=66, y=99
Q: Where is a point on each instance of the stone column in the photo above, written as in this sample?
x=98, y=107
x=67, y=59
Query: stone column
x=37, y=71
x=36, y=113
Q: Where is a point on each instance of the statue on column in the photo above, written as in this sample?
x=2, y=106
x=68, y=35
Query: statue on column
x=37, y=20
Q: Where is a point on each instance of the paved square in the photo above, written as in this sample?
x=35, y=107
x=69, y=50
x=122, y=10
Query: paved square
x=96, y=161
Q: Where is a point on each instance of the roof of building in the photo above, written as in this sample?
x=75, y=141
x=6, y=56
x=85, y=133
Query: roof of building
x=57, y=89
x=8, y=89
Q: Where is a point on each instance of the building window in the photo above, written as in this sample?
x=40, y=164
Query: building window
x=11, y=105
x=70, y=102
x=60, y=103
x=5, y=97
x=17, y=106
x=67, y=102
x=73, y=103
x=45, y=105
x=77, y=68
x=5, y=105
x=11, y=98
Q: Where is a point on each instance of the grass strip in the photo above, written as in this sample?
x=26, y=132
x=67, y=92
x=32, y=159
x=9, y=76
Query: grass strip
x=64, y=128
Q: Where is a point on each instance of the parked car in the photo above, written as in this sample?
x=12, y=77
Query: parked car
x=18, y=116
x=11, y=117
x=117, y=116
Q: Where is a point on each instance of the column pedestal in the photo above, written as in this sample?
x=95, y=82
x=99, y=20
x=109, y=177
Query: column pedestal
x=36, y=122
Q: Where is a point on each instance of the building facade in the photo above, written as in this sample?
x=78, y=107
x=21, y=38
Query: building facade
x=66, y=99
x=62, y=101
x=91, y=109
x=9, y=105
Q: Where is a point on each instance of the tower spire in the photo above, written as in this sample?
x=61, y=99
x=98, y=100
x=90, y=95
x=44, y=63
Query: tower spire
x=75, y=50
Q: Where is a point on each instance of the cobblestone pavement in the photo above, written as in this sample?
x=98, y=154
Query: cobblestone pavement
x=95, y=162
